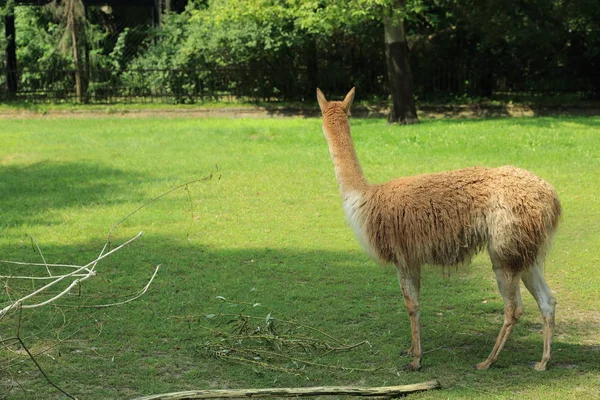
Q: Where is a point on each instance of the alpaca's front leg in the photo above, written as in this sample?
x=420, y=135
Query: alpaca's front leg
x=410, y=280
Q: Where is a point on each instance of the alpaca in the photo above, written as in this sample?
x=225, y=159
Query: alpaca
x=446, y=218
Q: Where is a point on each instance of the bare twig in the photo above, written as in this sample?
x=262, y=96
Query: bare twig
x=224, y=353
x=81, y=273
x=206, y=178
x=34, y=242
x=39, y=264
x=136, y=296
x=35, y=278
x=41, y=370
x=266, y=342
x=19, y=340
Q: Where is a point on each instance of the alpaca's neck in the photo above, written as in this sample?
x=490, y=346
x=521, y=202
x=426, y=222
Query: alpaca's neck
x=347, y=168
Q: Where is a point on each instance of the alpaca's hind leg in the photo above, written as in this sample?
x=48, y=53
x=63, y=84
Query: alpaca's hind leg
x=410, y=280
x=508, y=284
x=533, y=279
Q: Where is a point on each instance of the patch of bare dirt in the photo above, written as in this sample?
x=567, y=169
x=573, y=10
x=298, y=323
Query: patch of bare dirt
x=425, y=112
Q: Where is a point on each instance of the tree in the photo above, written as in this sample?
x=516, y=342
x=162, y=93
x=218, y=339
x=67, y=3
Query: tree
x=400, y=79
x=8, y=12
x=392, y=13
x=72, y=19
x=281, y=26
x=266, y=49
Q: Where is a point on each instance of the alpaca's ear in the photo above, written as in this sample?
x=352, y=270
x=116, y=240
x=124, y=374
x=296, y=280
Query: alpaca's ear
x=347, y=103
x=322, y=100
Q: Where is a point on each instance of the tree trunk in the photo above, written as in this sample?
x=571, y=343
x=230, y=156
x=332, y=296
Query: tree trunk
x=403, y=110
x=11, y=54
x=157, y=14
x=78, y=74
x=312, y=68
x=86, y=66
x=79, y=42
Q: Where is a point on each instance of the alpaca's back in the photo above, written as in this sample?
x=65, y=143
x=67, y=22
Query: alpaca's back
x=445, y=218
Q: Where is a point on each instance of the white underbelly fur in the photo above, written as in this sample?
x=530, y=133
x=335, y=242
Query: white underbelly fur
x=356, y=219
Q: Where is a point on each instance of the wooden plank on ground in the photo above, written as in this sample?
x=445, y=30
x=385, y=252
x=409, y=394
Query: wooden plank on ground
x=389, y=391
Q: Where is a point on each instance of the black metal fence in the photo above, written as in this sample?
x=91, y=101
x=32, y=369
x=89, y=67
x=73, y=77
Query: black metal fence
x=183, y=85
x=227, y=84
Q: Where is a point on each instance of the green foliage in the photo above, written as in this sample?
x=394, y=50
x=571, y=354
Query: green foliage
x=37, y=39
x=268, y=48
x=508, y=45
x=48, y=63
x=282, y=49
x=7, y=8
x=164, y=66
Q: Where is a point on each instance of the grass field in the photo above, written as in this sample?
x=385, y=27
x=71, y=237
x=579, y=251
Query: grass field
x=268, y=228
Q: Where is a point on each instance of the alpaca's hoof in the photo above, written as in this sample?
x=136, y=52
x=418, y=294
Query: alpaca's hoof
x=412, y=367
x=483, y=365
x=541, y=366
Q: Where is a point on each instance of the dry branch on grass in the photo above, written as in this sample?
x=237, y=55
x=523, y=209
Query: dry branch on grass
x=387, y=391
x=79, y=274
x=73, y=279
x=43, y=285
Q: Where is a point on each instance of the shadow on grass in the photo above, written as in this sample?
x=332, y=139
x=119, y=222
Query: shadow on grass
x=339, y=292
x=30, y=193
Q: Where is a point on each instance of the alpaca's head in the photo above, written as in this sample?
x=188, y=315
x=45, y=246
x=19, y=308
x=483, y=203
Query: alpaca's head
x=329, y=107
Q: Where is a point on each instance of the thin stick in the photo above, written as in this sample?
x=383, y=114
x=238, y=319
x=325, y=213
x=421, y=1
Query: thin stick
x=299, y=360
x=187, y=189
x=206, y=178
x=294, y=392
x=39, y=278
x=42, y=371
x=281, y=320
x=138, y=295
x=39, y=264
x=41, y=254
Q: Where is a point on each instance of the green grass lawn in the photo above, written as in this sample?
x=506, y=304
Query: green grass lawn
x=268, y=228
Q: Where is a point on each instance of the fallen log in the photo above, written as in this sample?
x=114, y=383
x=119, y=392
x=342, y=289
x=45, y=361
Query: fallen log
x=389, y=391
